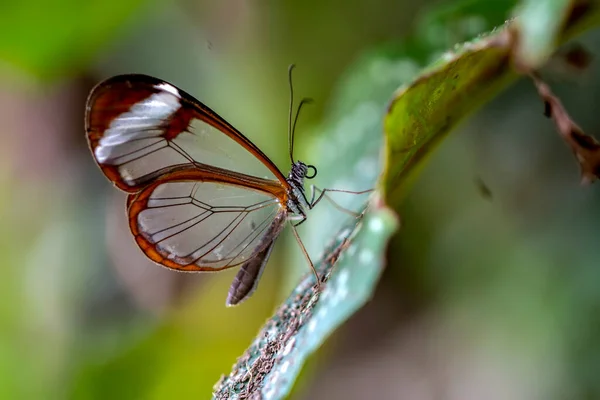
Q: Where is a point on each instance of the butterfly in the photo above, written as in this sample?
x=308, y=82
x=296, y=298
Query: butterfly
x=201, y=196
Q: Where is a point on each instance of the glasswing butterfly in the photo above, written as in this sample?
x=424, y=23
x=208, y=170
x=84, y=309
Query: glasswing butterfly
x=202, y=196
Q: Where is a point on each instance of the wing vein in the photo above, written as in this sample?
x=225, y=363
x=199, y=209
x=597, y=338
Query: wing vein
x=219, y=234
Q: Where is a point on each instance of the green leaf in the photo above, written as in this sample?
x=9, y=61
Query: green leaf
x=349, y=146
x=354, y=262
x=424, y=111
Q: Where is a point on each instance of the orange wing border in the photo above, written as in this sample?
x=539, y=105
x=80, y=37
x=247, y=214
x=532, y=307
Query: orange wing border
x=128, y=90
x=138, y=202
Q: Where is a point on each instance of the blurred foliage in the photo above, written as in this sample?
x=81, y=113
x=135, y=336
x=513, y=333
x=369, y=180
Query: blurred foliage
x=481, y=299
x=51, y=39
x=542, y=24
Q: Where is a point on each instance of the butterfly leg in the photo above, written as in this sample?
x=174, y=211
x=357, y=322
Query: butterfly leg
x=323, y=194
x=312, y=266
x=300, y=218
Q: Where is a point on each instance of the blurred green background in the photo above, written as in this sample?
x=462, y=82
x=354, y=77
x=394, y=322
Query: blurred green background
x=491, y=298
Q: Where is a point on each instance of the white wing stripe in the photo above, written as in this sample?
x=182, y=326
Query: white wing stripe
x=141, y=121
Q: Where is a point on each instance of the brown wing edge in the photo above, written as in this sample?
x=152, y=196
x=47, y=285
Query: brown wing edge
x=247, y=278
x=103, y=105
x=138, y=202
x=99, y=114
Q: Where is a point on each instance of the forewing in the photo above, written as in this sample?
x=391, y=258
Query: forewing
x=203, y=225
x=140, y=128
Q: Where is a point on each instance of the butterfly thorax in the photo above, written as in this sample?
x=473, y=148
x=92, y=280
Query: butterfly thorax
x=296, y=197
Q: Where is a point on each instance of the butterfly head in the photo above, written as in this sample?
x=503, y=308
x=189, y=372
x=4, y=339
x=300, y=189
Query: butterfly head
x=301, y=171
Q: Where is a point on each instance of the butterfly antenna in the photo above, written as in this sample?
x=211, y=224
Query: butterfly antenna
x=304, y=101
x=290, y=131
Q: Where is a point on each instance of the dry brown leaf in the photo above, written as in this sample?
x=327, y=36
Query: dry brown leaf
x=585, y=147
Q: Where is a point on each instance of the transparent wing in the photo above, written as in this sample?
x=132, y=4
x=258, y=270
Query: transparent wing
x=204, y=225
x=140, y=128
